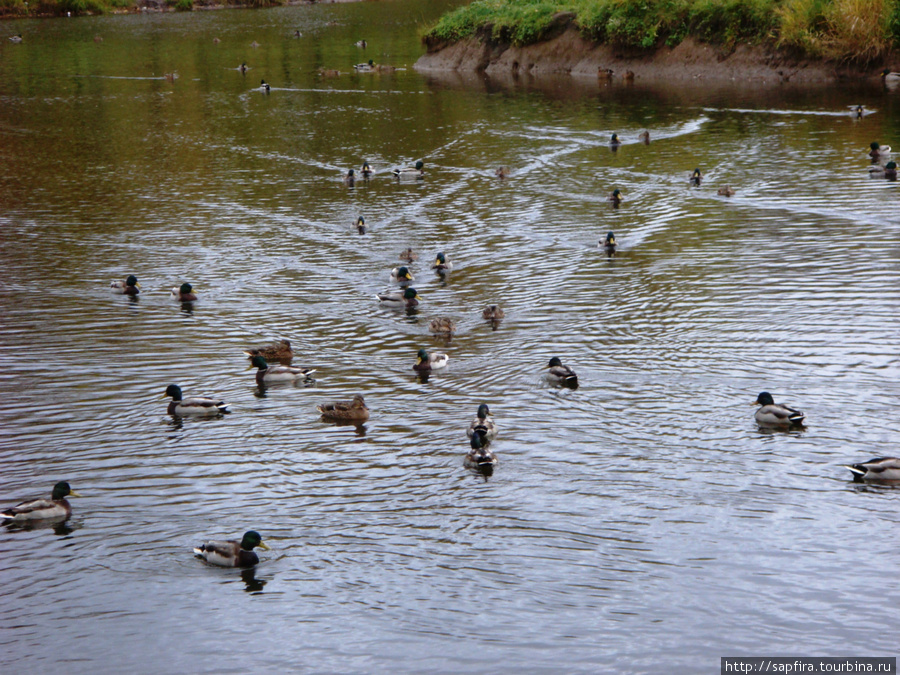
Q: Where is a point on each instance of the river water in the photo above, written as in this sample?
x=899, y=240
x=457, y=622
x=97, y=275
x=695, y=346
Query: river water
x=640, y=523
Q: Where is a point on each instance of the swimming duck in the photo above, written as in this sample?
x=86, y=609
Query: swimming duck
x=264, y=86
x=605, y=74
x=442, y=325
x=350, y=178
x=560, y=374
x=725, y=191
x=55, y=508
x=298, y=34
x=408, y=255
x=609, y=244
x=492, y=313
x=878, y=151
x=366, y=170
x=354, y=409
x=401, y=275
x=890, y=170
x=614, y=141
x=426, y=362
x=441, y=264
x=129, y=287
x=417, y=172
x=171, y=77
x=254, y=44
x=184, y=293
x=502, y=172
x=243, y=68
x=696, y=177
x=480, y=457
x=644, y=137
x=776, y=414
x=361, y=225
x=482, y=425
x=361, y=44
x=329, y=72
x=384, y=68
x=615, y=197
x=280, y=350
x=365, y=67
x=193, y=406
x=16, y=38
x=266, y=374
x=885, y=469
x=887, y=75
x=233, y=553
x=408, y=298
x=858, y=111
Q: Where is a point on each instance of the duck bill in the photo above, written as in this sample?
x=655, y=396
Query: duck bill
x=264, y=546
x=72, y=493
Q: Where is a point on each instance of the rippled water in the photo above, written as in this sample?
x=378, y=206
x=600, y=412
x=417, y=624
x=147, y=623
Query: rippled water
x=641, y=523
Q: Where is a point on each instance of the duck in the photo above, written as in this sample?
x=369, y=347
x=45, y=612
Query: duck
x=878, y=151
x=502, y=172
x=55, y=508
x=280, y=350
x=216, y=40
x=408, y=255
x=361, y=44
x=605, y=74
x=615, y=197
x=200, y=405
x=644, y=137
x=886, y=469
x=408, y=298
x=441, y=264
x=609, y=244
x=560, y=374
x=366, y=170
x=350, y=178
x=171, y=77
x=16, y=38
x=266, y=374
x=298, y=34
x=890, y=170
x=264, y=86
x=482, y=424
x=776, y=414
x=887, y=75
x=442, y=325
x=628, y=76
x=365, y=67
x=384, y=68
x=401, y=275
x=492, y=313
x=129, y=287
x=480, y=457
x=254, y=44
x=858, y=111
x=407, y=172
x=725, y=191
x=329, y=72
x=184, y=293
x=243, y=68
x=98, y=39
x=614, y=141
x=233, y=553
x=426, y=362
x=696, y=177
x=355, y=409
x=361, y=225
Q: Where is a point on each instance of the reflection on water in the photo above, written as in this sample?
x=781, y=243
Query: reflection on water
x=644, y=504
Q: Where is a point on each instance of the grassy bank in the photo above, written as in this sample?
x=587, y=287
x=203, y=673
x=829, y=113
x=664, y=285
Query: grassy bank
x=861, y=31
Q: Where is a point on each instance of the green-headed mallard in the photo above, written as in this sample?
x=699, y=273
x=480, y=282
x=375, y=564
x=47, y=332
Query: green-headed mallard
x=725, y=191
x=361, y=44
x=441, y=264
x=776, y=414
x=355, y=409
x=350, y=178
x=129, y=287
x=857, y=111
x=609, y=244
x=492, y=313
x=887, y=74
x=280, y=350
x=266, y=374
x=614, y=141
x=193, y=406
x=644, y=137
x=480, y=456
x=365, y=67
x=243, y=68
x=408, y=298
x=401, y=275
x=890, y=170
x=408, y=255
x=264, y=86
x=442, y=325
x=695, y=177
x=615, y=197
x=16, y=38
x=417, y=172
x=426, y=362
x=560, y=374
x=361, y=225
x=880, y=469
x=366, y=170
x=482, y=424
x=878, y=151
x=184, y=293
x=233, y=553
x=55, y=508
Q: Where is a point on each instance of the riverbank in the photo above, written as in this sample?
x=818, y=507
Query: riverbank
x=19, y=9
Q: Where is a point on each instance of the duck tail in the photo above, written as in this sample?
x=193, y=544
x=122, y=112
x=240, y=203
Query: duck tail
x=223, y=408
x=797, y=417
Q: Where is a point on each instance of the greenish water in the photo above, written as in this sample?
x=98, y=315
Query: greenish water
x=641, y=523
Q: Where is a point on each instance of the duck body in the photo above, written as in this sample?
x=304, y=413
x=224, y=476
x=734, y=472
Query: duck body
x=725, y=191
x=410, y=173
x=560, y=374
x=408, y=298
x=441, y=264
x=492, y=313
x=280, y=350
x=776, y=414
x=365, y=67
x=890, y=170
x=502, y=172
x=350, y=178
x=361, y=44
x=16, y=39
x=426, y=362
x=614, y=141
x=615, y=197
x=361, y=225
x=366, y=170
x=264, y=86
x=442, y=325
x=184, y=293
x=879, y=469
x=696, y=178
x=55, y=508
x=401, y=275
x=878, y=151
x=355, y=409
x=483, y=424
x=232, y=553
x=266, y=374
x=480, y=456
x=408, y=255
x=644, y=137
x=200, y=405
x=609, y=244
x=128, y=287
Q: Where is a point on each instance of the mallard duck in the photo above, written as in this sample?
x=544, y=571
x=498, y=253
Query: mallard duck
x=857, y=111
x=355, y=409
x=233, y=553
x=350, y=178
x=890, y=170
x=365, y=67
x=266, y=374
x=361, y=44
x=280, y=350
x=55, y=508
x=361, y=225
x=366, y=170
x=604, y=74
x=329, y=72
x=644, y=137
x=482, y=424
x=776, y=414
x=887, y=74
x=426, y=362
x=171, y=77
x=696, y=177
x=878, y=151
x=129, y=287
x=401, y=275
x=16, y=38
x=480, y=457
x=442, y=325
x=609, y=244
x=560, y=374
x=441, y=264
x=216, y=40
x=184, y=293
x=725, y=191
x=384, y=68
x=193, y=406
x=615, y=197
x=408, y=255
x=492, y=313
x=502, y=172
x=408, y=298
x=885, y=469
x=417, y=172
x=243, y=68
x=614, y=141
x=298, y=34
x=254, y=44
x=264, y=86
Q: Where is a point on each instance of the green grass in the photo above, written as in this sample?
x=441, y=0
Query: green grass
x=852, y=30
